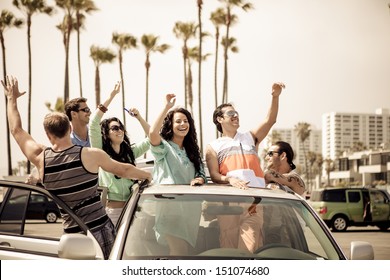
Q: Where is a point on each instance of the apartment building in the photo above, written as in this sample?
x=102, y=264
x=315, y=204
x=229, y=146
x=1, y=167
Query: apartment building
x=341, y=131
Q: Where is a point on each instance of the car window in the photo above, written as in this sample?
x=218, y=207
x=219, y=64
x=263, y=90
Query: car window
x=286, y=226
x=30, y=214
x=354, y=196
x=334, y=195
x=377, y=197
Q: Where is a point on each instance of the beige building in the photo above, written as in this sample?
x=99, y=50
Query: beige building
x=341, y=131
x=362, y=168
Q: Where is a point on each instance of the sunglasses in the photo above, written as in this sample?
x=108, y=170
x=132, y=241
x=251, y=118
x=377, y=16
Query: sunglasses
x=116, y=128
x=271, y=153
x=231, y=113
x=85, y=110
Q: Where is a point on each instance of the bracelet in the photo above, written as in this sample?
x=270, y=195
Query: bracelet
x=102, y=108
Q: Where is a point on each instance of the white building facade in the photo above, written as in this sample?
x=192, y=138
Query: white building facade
x=340, y=131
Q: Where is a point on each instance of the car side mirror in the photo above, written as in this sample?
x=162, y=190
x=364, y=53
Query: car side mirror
x=361, y=250
x=76, y=246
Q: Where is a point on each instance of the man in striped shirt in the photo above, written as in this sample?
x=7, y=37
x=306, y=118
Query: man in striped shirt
x=233, y=159
x=69, y=171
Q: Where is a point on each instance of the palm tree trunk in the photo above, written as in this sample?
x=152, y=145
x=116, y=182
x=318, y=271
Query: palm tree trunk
x=97, y=85
x=147, y=65
x=67, y=43
x=190, y=92
x=200, y=76
x=9, y=158
x=78, y=53
x=123, y=86
x=29, y=82
x=216, y=73
x=185, y=76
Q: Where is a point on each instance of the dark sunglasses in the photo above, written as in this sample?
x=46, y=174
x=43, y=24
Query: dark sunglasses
x=85, y=110
x=116, y=128
x=231, y=113
x=271, y=153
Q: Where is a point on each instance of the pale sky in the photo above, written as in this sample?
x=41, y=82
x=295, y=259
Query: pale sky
x=332, y=55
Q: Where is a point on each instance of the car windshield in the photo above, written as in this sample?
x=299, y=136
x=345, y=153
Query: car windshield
x=222, y=226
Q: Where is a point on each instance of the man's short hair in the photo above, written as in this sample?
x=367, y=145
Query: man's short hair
x=56, y=124
x=73, y=105
x=219, y=113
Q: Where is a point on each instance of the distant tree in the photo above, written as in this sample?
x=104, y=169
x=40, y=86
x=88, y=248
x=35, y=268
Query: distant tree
x=69, y=21
x=82, y=7
x=311, y=157
x=7, y=20
x=229, y=44
x=58, y=106
x=303, y=133
x=185, y=31
x=200, y=58
x=100, y=56
x=29, y=8
x=217, y=18
x=229, y=5
x=124, y=42
x=329, y=167
x=193, y=55
x=358, y=147
x=149, y=41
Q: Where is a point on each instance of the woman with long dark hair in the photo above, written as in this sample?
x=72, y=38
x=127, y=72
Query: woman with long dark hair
x=178, y=160
x=111, y=136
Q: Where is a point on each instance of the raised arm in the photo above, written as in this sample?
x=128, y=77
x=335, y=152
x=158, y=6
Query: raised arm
x=31, y=149
x=154, y=133
x=102, y=109
x=262, y=130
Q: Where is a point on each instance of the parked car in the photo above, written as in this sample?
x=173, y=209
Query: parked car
x=39, y=207
x=291, y=228
x=344, y=207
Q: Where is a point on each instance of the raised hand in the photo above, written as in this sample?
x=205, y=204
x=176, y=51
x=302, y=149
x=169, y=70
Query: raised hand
x=170, y=99
x=11, y=88
x=277, y=88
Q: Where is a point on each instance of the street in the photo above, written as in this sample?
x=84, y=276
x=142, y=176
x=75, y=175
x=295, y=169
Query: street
x=380, y=240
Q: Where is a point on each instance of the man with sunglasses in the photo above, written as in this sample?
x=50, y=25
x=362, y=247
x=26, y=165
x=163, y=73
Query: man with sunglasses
x=78, y=113
x=233, y=159
x=280, y=168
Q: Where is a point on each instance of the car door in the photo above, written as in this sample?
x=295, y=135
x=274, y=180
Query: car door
x=380, y=208
x=355, y=205
x=22, y=238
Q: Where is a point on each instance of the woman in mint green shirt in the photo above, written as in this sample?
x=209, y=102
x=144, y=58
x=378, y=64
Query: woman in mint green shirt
x=110, y=135
x=178, y=160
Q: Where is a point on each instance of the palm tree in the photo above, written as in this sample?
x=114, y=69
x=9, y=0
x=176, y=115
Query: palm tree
x=185, y=31
x=29, y=8
x=67, y=27
x=229, y=5
x=200, y=58
x=312, y=158
x=217, y=18
x=7, y=20
x=303, y=132
x=149, y=41
x=193, y=55
x=229, y=44
x=329, y=167
x=58, y=106
x=100, y=56
x=123, y=42
x=82, y=7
